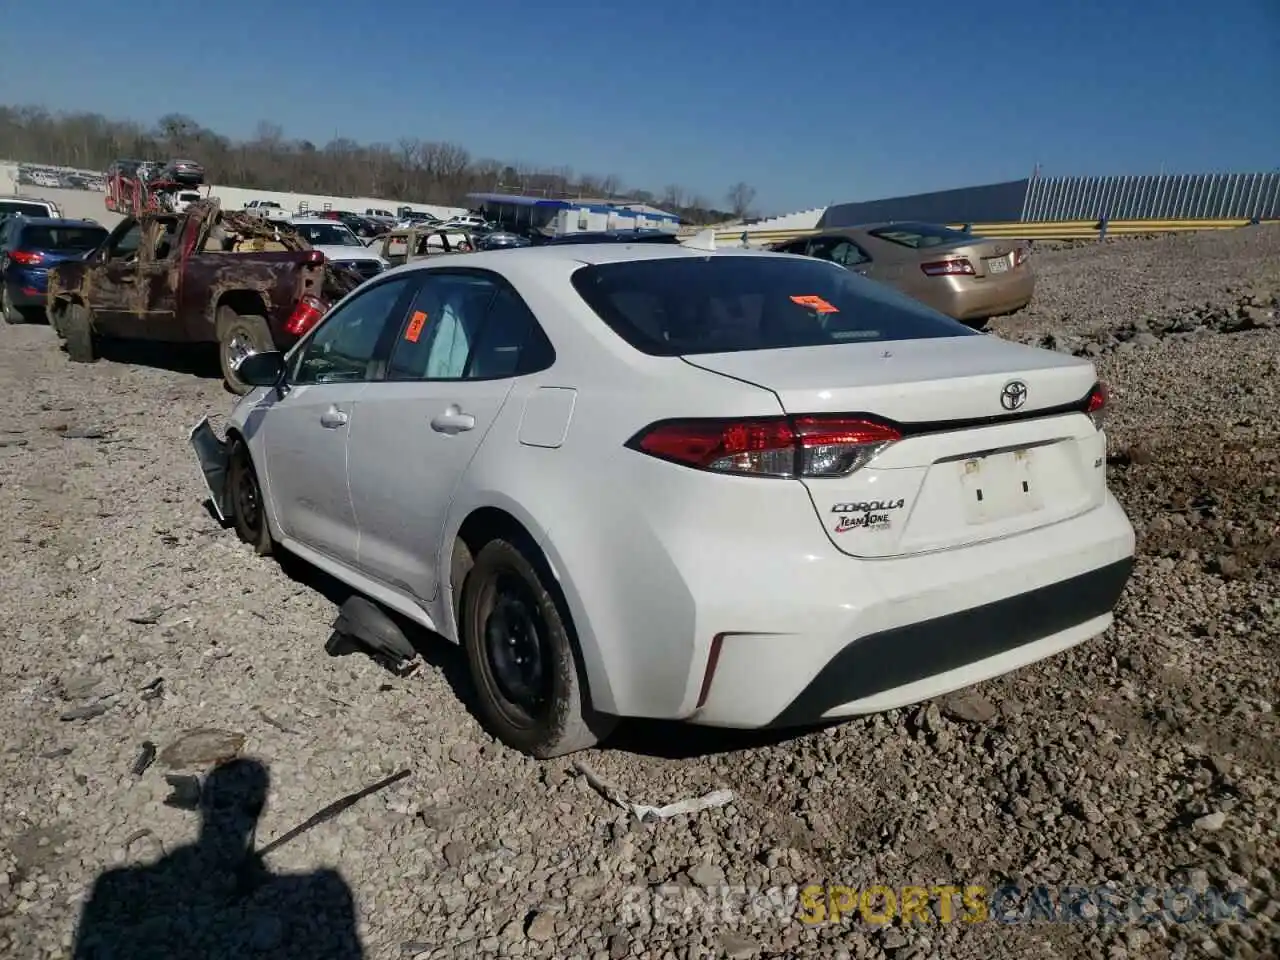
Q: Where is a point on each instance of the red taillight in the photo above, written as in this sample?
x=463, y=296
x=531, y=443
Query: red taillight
x=25, y=258
x=1020, y=256
x=948, y=268
x=805, y=446
x=1096, y=406
x=313, y=256
x=305, y=316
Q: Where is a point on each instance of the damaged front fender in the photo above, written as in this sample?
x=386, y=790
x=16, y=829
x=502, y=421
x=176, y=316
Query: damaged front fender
x=213, y=456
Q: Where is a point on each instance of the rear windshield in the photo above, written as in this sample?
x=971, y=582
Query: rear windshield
x=26, y=209
x=726, y=304
x=919, y=235
x=63, y=238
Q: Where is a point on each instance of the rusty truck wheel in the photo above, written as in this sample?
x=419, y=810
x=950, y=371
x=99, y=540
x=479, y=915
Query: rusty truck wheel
x=76, y=328
x=239, y=335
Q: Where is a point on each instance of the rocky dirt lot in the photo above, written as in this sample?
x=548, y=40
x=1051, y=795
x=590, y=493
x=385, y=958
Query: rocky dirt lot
x=1147, y=758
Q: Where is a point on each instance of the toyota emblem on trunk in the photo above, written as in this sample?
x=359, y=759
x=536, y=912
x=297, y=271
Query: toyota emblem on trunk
x=1013, y=395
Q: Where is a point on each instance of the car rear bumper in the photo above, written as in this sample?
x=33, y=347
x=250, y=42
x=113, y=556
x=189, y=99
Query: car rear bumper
x=894, y=632
x=27, y=290
x=969, y=299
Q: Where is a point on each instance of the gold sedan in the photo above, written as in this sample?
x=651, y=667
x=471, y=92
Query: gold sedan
x=967, y=277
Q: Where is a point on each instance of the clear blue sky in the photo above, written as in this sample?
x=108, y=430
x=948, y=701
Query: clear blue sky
x=811, y=101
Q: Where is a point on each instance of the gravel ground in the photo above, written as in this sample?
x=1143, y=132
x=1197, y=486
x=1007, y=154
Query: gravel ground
x=1146, y=758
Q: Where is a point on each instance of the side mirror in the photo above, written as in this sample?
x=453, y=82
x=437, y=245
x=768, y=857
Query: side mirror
x=265, y=369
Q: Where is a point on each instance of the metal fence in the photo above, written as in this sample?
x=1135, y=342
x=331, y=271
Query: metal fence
x=1159, y=197
x=1210, y=196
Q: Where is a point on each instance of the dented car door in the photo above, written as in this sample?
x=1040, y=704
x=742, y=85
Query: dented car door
x=110, y=280
x=159, y=275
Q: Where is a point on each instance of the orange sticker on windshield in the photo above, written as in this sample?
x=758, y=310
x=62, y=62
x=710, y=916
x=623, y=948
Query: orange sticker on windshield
x=416, y=323
x=815, y=303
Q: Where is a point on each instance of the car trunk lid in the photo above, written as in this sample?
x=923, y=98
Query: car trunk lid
x=992, y=439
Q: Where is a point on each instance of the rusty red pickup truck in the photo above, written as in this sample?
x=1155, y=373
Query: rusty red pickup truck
x=200, y=276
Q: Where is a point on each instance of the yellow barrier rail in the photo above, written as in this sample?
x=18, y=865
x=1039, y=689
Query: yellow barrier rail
x=1019, y=230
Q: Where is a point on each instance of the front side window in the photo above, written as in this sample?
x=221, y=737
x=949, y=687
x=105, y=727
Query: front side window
x=343, y=347
x=729, y=303
x=126, y=244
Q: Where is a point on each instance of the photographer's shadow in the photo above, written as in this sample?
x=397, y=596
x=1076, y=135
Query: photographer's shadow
x=216, y=897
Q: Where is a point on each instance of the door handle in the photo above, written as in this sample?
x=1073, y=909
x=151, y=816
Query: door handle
x=333, y=417
x=453, y=420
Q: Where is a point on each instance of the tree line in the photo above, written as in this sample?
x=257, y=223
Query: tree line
x=415, y=170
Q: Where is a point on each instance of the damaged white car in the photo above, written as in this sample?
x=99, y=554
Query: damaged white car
x=734, y=488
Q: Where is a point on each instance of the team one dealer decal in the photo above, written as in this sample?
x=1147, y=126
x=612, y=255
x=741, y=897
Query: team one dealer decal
x=866, y=514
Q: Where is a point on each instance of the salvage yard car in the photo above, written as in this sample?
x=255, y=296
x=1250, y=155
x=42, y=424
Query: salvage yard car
x=967, y=277
x=339, y=245
x=730, y=487
x=187, y=278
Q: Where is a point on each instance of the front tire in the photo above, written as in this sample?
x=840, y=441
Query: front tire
x=245, y=501
x=527, y=676
x=76, y=328
x=238, y=336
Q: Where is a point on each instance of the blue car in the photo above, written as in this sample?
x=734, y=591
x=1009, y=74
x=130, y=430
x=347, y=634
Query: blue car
x=29, y=246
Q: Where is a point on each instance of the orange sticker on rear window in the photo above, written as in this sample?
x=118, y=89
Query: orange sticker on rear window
x=815, y=303
x=416, y=323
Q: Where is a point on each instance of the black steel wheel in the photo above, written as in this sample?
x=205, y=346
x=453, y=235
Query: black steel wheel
x=244, y=500
x=529, y=682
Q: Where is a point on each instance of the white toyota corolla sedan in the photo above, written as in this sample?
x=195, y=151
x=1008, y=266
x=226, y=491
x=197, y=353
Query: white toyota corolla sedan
x=734, y=488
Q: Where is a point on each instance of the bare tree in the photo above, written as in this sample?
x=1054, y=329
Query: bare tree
x=741, y=196
x=414, y=169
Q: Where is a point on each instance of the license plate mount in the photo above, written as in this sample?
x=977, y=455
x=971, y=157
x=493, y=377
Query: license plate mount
x=999, y=486
x=998, y=265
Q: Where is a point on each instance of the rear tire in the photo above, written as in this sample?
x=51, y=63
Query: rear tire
x=245, y=501
x=239, y=335
x=527, y=675
x=76, y=329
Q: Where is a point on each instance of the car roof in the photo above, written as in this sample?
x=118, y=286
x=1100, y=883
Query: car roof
x=317, y=221
x=568, y=254
x=61, y=222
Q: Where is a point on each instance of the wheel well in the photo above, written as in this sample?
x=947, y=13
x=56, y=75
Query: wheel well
x=63, y=301
x=492, y=523
x=247, y=303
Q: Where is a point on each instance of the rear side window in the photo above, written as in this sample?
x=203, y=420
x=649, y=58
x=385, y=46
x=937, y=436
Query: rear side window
x=727, y=304
x=919, y=236
x=63, y=238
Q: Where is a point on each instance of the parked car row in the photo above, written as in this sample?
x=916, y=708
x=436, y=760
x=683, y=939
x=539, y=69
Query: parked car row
x=64, y=178
x=545, y=454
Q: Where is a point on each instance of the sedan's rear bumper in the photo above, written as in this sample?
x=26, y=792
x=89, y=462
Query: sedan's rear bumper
x=898, y=631
x=965, y=298
x=906, y=664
